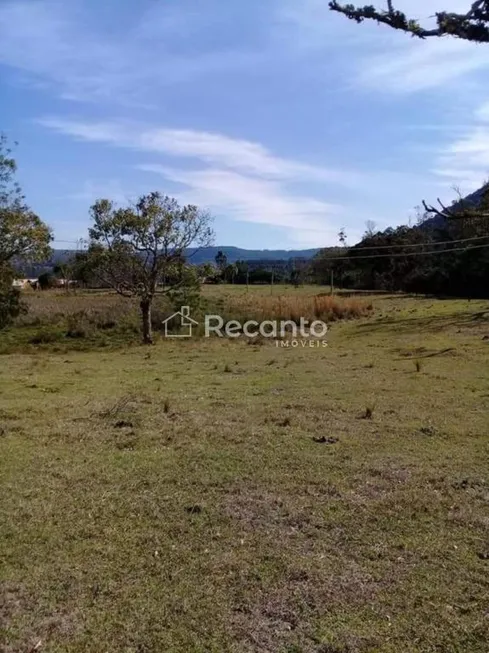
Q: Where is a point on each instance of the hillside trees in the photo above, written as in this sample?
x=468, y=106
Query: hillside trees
x=447, y=257
x=140, y=249
x=385, y=261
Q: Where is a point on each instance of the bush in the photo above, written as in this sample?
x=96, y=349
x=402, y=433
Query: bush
x=79, y=325
x=46, y=280
x=188, y=292
x=106, y=325
x=161, y=309
x=44, y=337
x=10, y=306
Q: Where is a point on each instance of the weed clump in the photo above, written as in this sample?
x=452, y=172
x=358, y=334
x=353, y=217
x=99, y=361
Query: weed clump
x=79, y=325
x=44, y=336
x=369, y=411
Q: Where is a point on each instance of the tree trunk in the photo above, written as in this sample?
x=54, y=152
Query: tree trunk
x=146, y=317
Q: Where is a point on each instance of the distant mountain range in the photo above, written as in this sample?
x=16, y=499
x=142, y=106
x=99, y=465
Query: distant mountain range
x=208, y=254
x=233, y=254
x=194, y=256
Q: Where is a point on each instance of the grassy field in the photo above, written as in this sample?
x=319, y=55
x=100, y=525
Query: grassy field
x=57, y=320
x=211, y=496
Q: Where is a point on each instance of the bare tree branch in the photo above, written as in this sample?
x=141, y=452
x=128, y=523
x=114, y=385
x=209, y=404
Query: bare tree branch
x=461, y=209
x=472, y=25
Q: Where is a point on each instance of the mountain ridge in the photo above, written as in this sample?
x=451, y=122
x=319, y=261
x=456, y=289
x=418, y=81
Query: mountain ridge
x=208, y=254
x=195, y=256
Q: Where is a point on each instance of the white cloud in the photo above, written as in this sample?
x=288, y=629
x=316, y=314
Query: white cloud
x=253, y=200
x=80, y=53
x=235, y=178
x=465, y=161
x=246, y=181
x=238, y=154
x=482, y=112
x=420, y=65
x=60, y=44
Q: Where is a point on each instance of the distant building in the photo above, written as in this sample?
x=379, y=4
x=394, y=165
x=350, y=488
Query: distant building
x=22, y=284
x=64, y=283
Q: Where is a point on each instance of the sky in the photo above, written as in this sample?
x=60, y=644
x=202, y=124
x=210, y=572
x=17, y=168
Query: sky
x=283, y=119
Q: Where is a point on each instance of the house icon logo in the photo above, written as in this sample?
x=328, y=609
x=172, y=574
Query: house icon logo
x=186, y=323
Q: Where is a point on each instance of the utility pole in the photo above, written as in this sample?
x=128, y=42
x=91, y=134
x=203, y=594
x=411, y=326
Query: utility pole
x=332, y=282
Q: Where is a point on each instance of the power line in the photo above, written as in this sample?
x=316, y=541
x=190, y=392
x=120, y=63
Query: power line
x=395, y=255
x=436, y=251
x=367, y=247
x=434, y=243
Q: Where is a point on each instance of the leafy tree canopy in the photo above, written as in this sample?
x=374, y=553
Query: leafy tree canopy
x=140, y=248
x=23, y=235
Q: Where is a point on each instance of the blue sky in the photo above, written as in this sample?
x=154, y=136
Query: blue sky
x=282, y=118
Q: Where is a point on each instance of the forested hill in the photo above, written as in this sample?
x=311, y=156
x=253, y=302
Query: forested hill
x=233, y=254
x=194, y=256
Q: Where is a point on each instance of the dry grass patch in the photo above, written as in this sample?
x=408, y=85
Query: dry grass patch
x=327, y=308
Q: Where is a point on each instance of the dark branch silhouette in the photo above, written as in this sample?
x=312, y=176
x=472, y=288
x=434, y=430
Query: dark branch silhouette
x=461, y=208
x=472, y=25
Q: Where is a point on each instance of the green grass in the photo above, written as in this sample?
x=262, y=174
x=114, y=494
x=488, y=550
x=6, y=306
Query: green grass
x=192, y=497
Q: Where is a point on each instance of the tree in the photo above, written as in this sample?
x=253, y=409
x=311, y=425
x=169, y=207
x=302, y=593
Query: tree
x=342, y=236
x=221, y=260
x=242, y=272
x=10, y=301
x=133, y=249
x=471, y=210
x=83, y=269
x=23, y=235
x=186, y=292
x=383, y=260
x=370, y=228
x=472, y=25
x=229, y=272
x=296, y=277
x=63, y=271
x=325, y=265
x=46, y=280
x=206, y=272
